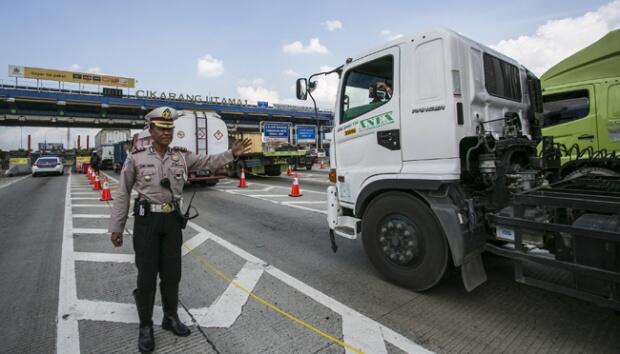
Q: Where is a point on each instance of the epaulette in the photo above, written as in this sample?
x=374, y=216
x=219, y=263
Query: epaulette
x=179, y=148
x=138, y=149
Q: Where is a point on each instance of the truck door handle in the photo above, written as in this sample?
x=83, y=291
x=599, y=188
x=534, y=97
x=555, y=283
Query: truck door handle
x=389, y=139
x=586, y=137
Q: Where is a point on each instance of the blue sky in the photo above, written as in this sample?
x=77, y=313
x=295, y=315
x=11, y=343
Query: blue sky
x=243, y=44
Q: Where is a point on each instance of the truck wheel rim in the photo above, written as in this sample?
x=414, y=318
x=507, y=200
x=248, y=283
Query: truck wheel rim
x=399, y=240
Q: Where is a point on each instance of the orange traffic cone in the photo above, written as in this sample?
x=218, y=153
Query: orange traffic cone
x=289, y=172
x=322, y=166
x=88, y=174
x=97, y=184
x=105, y=194
x=295, y=192
x=242, y=182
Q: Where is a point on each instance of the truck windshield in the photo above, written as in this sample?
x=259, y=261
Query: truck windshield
x=367, y=87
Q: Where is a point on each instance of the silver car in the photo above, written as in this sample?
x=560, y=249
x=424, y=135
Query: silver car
x=48, y=165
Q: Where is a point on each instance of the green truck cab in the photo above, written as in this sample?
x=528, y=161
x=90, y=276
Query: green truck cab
x=581, y=100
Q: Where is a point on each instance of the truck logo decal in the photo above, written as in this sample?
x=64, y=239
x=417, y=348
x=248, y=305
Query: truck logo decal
x=377, y=121
x=201, y=133
x=428, y=109
x=218, y=135
x=180, y=134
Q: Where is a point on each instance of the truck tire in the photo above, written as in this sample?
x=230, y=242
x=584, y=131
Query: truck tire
x=273, y=170
x=404, y=242
x=596, y=171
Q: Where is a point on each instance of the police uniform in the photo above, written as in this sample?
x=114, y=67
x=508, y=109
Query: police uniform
x=157, y=236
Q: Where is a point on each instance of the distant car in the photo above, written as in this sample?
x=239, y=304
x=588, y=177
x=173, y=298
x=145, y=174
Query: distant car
x=48, y=165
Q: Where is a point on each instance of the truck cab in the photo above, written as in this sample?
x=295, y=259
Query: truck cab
x=416, y=126
x=581, y=96
x=434, y=160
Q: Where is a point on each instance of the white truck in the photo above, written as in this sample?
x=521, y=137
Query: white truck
x=434, y=161
x=104, y=143
x=201, y=132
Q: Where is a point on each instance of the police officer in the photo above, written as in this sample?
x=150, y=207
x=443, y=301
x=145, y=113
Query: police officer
x=158, y=173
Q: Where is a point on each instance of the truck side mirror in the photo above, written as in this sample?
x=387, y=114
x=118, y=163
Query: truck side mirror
x=302, y=89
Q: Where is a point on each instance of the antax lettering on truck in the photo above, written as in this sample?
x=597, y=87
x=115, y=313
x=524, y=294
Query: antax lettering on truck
x=434, y=161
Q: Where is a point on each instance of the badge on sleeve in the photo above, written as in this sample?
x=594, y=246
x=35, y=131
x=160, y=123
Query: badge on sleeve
x=175, y=157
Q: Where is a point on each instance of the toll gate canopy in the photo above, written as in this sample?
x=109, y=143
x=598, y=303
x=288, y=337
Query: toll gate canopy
x=49, y=107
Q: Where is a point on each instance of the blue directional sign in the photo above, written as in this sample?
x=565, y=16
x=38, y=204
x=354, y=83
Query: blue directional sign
x=262, y=104
x=275, y=131
x=306, y=133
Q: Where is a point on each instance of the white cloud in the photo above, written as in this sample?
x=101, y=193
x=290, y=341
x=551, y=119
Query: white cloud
x=74, y=67
x=557, y=39
x=95, y=70
x=254, y=92
x=389, y=35
x=208, y=66
x=313, y=47
x=333, y=25
x=291, y=73
x=325, y=92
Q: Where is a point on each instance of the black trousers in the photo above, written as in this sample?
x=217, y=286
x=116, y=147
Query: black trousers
x=157, y=240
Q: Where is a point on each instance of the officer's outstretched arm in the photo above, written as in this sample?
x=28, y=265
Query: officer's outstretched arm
x=214, y=162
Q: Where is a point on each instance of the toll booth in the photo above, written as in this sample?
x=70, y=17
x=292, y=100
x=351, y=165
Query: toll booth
x=19, y=163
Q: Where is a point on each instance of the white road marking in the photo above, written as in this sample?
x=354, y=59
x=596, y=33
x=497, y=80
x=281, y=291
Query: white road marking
x=265, y=195
x=84, y=198
x=117, y=312
x=193, y=242
x=67, y=335
x=306, y=202
x=90, y=206
x=103, y=257
x=228, y=306
x=14, y=181
x=265, y=198
x=90, y=231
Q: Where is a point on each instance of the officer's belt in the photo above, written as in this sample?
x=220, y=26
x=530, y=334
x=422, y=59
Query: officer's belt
x=161, y=208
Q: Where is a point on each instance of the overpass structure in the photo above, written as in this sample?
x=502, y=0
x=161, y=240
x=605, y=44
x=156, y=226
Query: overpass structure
x=47, y=107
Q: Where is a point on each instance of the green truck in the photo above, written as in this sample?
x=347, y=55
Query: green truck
x=581, y=104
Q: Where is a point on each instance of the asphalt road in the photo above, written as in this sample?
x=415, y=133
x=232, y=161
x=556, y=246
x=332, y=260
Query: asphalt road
x=31, y=214
x=277, y=248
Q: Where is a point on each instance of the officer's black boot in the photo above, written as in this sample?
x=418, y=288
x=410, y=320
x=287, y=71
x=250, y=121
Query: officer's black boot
x=144, y=303
x=171, y=321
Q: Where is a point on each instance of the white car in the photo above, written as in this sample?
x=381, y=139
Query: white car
x=48, y=165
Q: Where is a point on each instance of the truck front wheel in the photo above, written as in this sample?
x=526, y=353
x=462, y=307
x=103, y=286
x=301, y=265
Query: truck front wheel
x=404, y=242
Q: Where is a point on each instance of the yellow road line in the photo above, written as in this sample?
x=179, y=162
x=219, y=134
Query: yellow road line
x=202, y=259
